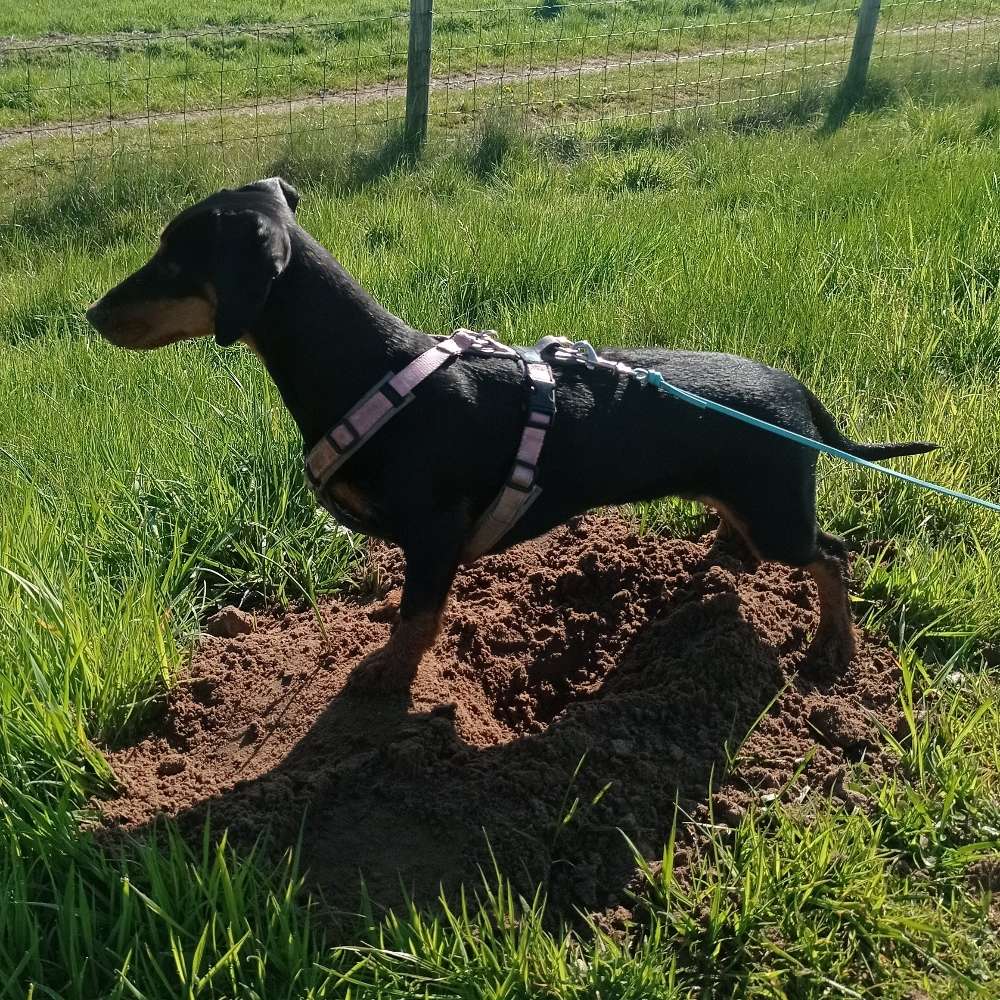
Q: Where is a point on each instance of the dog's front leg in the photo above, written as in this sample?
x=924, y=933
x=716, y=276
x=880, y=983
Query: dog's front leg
x=432, y=557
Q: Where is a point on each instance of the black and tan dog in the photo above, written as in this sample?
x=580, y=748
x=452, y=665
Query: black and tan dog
x=239, y=267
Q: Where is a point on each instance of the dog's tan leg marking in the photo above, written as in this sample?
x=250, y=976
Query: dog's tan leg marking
x=388, y=609
x=391, y=670
x=836, y=635
x=732, y=528
x=351, y=499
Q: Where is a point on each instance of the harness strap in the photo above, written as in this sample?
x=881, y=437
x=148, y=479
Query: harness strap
x=395, y=391
x=519, y=492
x=378, y=406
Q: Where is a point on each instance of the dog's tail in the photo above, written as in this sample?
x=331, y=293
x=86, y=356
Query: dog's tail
x=830, y=434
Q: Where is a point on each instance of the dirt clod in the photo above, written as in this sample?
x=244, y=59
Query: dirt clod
x=229, y=623
x=584, y=683
x=171, y=764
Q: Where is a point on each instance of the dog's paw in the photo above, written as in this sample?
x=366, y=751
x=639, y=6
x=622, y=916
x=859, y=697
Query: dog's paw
x=391, y=670
x=386, y=611
x=830, y=655
x=387, y=671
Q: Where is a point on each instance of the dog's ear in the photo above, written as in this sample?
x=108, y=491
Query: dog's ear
x=279, y=187
x=290, y=194
x=251, y=251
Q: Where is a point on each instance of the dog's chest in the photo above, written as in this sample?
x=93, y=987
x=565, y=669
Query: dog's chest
x=350, y=508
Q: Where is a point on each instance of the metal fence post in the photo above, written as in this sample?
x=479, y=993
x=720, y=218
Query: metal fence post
x=418, y=73
x=864, y=37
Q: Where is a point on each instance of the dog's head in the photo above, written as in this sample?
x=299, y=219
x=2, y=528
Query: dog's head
x=212, y=273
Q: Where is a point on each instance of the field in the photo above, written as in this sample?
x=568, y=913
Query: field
x=140, y=493
x=355, y=60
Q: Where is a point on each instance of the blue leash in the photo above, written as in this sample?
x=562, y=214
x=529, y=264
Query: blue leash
x=657, y=381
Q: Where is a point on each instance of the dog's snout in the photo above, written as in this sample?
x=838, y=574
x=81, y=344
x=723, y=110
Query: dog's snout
x=96, y=314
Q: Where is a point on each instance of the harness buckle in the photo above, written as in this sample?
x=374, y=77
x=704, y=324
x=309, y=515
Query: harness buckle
x=482, y=342
x=542, y=399
x=542, y=389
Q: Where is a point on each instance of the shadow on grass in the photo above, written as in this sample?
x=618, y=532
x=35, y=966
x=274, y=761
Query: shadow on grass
x=323, y=161
x=877, y=94
x=496, y=142
x=548, y=10
x=99, y=201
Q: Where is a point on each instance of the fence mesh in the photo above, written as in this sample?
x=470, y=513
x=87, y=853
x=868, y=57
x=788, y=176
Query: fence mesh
x=599, y=62
x=551, y=67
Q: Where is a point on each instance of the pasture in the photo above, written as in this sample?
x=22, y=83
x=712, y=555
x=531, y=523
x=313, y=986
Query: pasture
x=139, y=493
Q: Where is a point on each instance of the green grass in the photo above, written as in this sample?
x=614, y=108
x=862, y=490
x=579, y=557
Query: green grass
x=138, y=491
x=243, y=66
x=35, y=18
x=44, y=17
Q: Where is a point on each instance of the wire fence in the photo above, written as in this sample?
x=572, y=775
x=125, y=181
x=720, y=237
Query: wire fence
x=554, y=67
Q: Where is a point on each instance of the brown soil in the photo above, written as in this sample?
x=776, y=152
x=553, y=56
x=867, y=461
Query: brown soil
x=646, y=658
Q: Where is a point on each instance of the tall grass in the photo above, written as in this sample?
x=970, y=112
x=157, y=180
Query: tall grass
x=137, y=491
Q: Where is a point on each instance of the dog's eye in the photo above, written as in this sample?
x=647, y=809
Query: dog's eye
x=167, y=268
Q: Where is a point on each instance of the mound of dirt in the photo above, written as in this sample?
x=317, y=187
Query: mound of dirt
x=584, y=683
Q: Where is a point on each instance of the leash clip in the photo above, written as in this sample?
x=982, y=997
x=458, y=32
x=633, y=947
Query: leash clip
x=587, y=354
x=562, y=350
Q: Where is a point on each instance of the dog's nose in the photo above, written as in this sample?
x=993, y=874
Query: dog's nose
x=96, y=314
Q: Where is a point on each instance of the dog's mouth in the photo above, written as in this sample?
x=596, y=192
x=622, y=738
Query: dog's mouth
x=137, y=332
x=149, y=342
x=138, y=336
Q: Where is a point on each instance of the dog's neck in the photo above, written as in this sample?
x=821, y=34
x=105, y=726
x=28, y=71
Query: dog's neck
x=325, y=341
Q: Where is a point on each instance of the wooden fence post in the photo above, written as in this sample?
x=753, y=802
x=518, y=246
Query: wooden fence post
x=864, y=37
x=418, y=73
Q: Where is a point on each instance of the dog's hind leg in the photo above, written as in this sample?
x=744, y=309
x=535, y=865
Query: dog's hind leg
x=835, y=637
x=777, y=517
x=732, y=536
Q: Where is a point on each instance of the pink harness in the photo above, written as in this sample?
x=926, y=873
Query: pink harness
x=394, y=392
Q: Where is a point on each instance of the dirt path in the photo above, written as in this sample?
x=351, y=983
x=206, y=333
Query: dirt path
x=461, y=82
